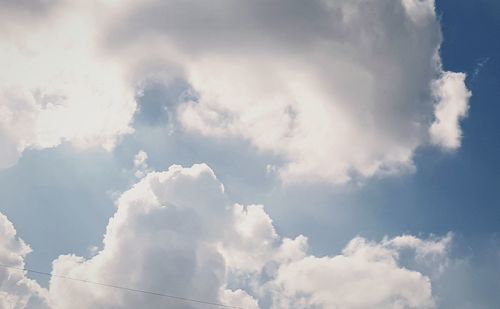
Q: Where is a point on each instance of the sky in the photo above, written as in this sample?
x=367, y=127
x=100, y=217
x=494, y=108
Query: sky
x=253, y=154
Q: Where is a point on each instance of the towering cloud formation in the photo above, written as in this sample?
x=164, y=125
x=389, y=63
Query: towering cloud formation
x=162, y=238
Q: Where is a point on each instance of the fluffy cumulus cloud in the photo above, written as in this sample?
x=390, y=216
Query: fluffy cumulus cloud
x=165, y=239
x=161, y=239
x=56, y=83
x=365, y=275
x=16, y=290
x=336, y=88
x=453, y=98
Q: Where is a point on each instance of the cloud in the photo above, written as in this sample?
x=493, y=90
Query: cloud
x=162, y=239
x=16, y=290
x=453, y=104
x=166, y=239
x=365, y=275
x=56, y=83
x=338, y=89
x=351, y=281
x=140, y=164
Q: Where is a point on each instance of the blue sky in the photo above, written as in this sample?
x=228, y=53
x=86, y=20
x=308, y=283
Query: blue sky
x=59, y=198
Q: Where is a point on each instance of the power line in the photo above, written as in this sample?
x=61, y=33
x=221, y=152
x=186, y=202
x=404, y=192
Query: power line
x=122, y=287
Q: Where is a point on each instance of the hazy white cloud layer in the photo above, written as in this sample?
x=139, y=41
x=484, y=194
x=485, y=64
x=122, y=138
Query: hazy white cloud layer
x=335, y=88
x=174, y=232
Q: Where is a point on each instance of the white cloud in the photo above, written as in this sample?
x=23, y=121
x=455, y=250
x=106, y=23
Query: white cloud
x=366, y=276
x=16, y=290
x=57, y=84
x=162, y=239
x=174, y=232
x=419, y=9
x=336, y=88
x=453, y=104
x=140, y=164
